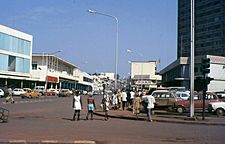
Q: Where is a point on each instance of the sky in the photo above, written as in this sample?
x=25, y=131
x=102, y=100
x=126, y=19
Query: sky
x=146, y=27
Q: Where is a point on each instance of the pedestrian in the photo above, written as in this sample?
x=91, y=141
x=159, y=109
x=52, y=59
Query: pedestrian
x=115, y=100
x=150, y=104
x=128, y=98
x=105, y=103
x=136, y=104
x=10, y=96
x=131, y=97
x=124, y=99
x=91, y=106
x=119, y=96
x=77, y=105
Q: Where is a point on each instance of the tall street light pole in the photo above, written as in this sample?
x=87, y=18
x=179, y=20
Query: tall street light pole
x=46, y=78
x=192, y=75
x=117, y=40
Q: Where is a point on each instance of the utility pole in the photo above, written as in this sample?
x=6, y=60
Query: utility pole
x=192, y=74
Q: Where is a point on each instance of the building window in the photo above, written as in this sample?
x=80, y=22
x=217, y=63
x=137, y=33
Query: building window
x=12, y=63
x=14, y=44
x=34, y=66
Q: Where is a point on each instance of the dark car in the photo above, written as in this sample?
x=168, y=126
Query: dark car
x=64, y=93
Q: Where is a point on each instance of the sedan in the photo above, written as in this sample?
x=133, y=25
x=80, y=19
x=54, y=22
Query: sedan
x=18, y=92
x=184, y=105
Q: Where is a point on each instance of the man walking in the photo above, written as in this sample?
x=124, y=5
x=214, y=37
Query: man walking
x=150, y=104
x=124, y=99
x=91, y=106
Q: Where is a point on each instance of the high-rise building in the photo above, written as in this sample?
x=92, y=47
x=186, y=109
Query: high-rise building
x=209, y=27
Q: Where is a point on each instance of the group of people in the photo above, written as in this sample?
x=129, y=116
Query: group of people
x=77, y=106
x=119, y=100
x=134, y=100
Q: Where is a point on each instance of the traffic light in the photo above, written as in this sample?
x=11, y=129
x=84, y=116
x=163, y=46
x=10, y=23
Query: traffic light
x=208, y=79
x=199, y=83
x=205, y=66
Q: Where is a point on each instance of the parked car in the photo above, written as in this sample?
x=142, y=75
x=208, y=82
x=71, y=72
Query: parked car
x=217, y=107
x=64, y=93
x=1, y=93
x=184, y=95
x=18, y=92
x=184, y=105
x=51, y=92
x=164, y=99
x=30, y=94
x=221, y=94
x=40, y=89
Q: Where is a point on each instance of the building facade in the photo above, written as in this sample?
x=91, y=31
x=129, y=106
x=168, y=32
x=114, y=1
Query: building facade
x=144, y=75
x=15, y=57
x=178, y=73
x=53, y=72
x=209, y=28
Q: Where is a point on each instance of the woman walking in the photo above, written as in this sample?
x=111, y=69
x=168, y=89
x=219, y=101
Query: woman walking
x=77, y=105
x=136, y=105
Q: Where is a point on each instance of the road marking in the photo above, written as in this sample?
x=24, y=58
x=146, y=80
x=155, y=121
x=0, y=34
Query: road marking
x=84, y=142
x=28, y=101
x=17, y=141
x=49, y=142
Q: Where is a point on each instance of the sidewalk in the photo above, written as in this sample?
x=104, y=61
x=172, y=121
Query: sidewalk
x=162, y=116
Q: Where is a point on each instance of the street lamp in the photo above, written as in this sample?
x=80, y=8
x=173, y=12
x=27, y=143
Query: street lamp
x=46, y=78
x=117, y=40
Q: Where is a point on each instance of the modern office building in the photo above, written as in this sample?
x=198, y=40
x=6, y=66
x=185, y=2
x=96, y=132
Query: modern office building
x=209, y=43
x=178, y=72
x=209, y=27
x=15, y=57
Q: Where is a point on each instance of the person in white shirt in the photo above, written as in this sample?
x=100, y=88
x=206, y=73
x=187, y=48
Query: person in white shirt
x=124, y=99
x=131, y=97
x=151, y=103
x=77, y=105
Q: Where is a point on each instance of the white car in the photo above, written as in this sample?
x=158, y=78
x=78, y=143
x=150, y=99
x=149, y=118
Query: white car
x=217, y=107
x=183, y=95
x=18, y=92
x=1, y=93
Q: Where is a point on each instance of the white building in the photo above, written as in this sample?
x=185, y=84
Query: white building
x=15, y=57
x=144, y=74
x=53, y=72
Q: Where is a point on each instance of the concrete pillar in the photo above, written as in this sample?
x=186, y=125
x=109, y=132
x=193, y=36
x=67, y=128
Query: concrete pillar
x=21, y=84
x=6, y=82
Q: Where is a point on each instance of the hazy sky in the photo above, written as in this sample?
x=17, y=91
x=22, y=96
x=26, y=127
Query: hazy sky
x=147, y=27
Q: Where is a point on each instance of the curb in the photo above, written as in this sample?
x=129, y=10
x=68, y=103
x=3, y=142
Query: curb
x=46, y=142
x=185, y=120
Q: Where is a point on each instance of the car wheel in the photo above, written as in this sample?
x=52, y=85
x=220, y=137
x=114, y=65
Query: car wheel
x=180, y=109
x=219, y=112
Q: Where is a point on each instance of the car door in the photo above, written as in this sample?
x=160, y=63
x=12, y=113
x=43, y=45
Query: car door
x=164, y=99
x=158, y=99
x=198, y=102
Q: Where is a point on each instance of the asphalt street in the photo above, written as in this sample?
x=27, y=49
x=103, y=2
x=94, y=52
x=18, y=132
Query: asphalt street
x=49, y=118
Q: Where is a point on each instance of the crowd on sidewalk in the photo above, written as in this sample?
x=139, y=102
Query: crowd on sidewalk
x=120, y=100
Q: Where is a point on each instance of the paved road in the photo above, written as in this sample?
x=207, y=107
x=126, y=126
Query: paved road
x=49, y=118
